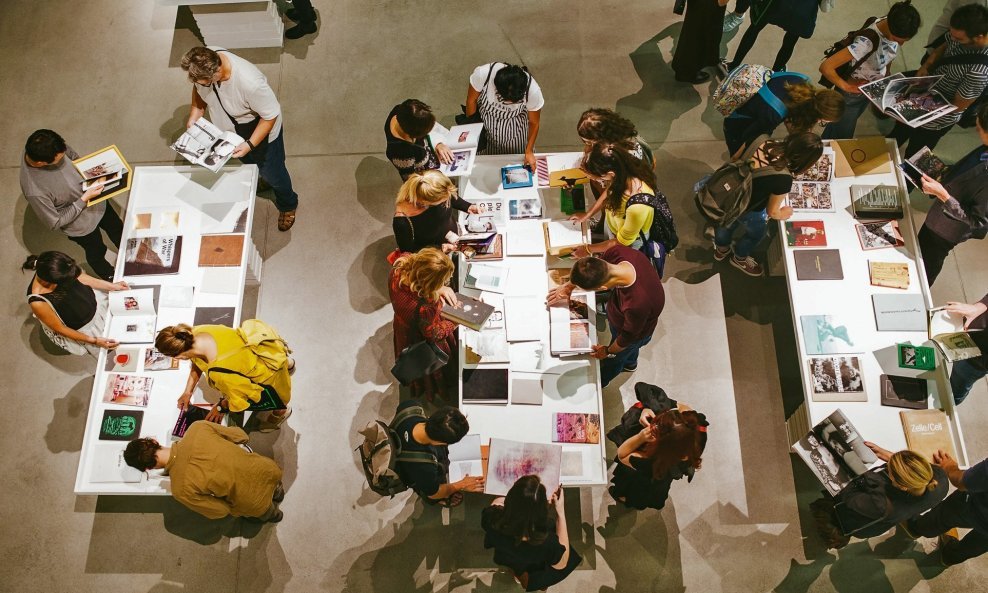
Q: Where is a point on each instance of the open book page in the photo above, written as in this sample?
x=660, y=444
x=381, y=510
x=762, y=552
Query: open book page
x=206, y=145
x=462, y=163
x=822, y=463
x=510, y=460
x=840, y=436
x=875, y=90
x=947, y=332
x=914, y=101
x=465, y=458
x=465, y=136
x=106, y=167
x=570, y=331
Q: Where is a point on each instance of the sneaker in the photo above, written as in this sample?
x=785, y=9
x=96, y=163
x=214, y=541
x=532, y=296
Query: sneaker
x=904, y=528
x=732, y=21
x=630, y=368
x=720, y=253
x=300, y=30
x=292, y=14
x=279, y=494
x=273, y=423
x=286, y=220
x=748, y=265
x=278, y=516
x=944, y=541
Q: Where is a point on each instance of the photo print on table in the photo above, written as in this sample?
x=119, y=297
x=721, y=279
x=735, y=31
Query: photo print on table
x=807, y=196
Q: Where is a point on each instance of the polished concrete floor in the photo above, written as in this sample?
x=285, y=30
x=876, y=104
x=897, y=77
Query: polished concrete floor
x=105, y=71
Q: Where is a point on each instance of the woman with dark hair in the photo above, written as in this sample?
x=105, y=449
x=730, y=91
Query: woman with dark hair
x=410, y=148
x=66, y=302
x=509, y=102
x=598, y=125
x=775, y=163
x=527, y=530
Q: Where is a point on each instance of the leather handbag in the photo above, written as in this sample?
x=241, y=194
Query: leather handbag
x=417, y=361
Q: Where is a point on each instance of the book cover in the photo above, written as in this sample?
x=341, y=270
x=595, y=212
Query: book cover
x=493, y=251
x=524, y=208
x=876, y=202
x=485, y=386
x=510, y=460
x=522, y=315
x=927, y=431
x=186, y=417
x=564, y=170
x=818, y=264
x=120, y=425
x=514, y=176
x=526, y=391
x=123, y=359
x=214, y=316
x=461, y=163
x=149, y=256
x=904, y=392
x=108, y=167
x=835, y=452
x=916, y=357
x=808, y=196
x=486, y=277
x=879, y=234
x=822, y=170
x=837, y=379
x=129, y=390
x=825, y=334
x=900, y=312
x=562, y=238
x=570, y=427
x=221, y=250
x=468, y=312
x=806, y=233
x=154, y=360
x=889, y=274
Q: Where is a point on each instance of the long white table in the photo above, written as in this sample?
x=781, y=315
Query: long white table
x=850, y=301
x=208, y=203
x=570, y=384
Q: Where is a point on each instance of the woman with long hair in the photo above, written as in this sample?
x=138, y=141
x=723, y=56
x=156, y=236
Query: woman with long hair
x=599, y=125
x=425, y=211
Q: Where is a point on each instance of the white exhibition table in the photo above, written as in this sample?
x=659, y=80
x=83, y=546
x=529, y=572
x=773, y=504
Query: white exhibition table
x=207, y=203
x=570, y=384
x=849, y=300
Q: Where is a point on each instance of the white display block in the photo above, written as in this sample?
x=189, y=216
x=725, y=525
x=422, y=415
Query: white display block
x=235, y=23
x=574, y=384
x=207, y=202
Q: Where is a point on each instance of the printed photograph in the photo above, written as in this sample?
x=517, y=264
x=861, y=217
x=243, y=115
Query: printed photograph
x=810, y=196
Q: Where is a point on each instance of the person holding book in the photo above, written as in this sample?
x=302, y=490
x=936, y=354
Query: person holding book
x=796, y=17
x=510, y=103
x=783, y=158
x=213, y=472
x=432, y=436
x=69, y=303
x=698, y=46
x=960, y=208
x=965, y=373
x=240, y=100
x=962, y=60
x=966, y=507
x=866, y=59
x=527, y=530
x=407, y=131
x=418, y=289
x=231, y=366
x=636, y=301
x=53, y=188
x=425, y=212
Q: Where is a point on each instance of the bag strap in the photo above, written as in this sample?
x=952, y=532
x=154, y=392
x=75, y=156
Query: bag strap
x=417, y=457
x=45, y=299
x=405, y=414
x=772, y=99
x=410, y=225
x=216, y=92
x=489, y=72
x=872, y=36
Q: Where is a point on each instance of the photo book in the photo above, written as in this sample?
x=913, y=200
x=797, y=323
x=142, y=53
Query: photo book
x=486, y=277
x=825, y=334
x=485, y=386
x=927, y=431
x=806, y=233
x=154, y=360
x=818, y=264
x=128, y=390
x=468, y=312
x=524, y=318
x=565, y=171
x=486, y=346
x=900, y=312
x=837, y=379
x=110, y=467
x=811, y=196
x=822, y=170
x=526, y=389
x=191, y=413
x=904, y=392
x=946, y=329
x=151, y=256
x=132, y=315
x=520, y=208
x=879, y=234
x=576, y=427
x=515, y=176
x=462, y=141
x=206, y=145
x=835, y=452
x=221, y=250
x=871, y=202
x=926, y=163
x=124, y=359
x=106, y=167
x=214, y=316
x=157, y=220
x=510, y=460
x=912, y=100
x=120, y=425
x=889, y=274
x=465, y=458
x=570, y=330
x=916, y=357
x=563, y=237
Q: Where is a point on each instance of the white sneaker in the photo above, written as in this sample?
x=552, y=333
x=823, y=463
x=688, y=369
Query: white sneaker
x=732, y=21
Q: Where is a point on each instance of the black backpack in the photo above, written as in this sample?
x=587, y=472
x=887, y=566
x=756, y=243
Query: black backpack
x=663, y=227
x=846, y=70
x=381, y=451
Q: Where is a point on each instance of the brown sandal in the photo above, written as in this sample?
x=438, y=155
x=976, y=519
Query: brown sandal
x=286, y=220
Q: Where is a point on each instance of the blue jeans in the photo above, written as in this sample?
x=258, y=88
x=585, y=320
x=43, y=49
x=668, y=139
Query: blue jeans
x=854, y=106
x=612, y=367
x=754, y=224
x=963, y=377
x=274, y=171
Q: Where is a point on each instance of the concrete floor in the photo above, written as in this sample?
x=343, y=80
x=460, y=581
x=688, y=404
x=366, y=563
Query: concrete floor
x=109, y=74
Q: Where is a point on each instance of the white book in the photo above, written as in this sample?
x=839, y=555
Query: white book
x=175, y=296
x=491, y=345
x=534, y=357
x=524, y=318
x=486, y=277
x=524, y=237
x=132, y=315
x=220, y=280
x=465, y=458
x=108, y=465
x=206, y=145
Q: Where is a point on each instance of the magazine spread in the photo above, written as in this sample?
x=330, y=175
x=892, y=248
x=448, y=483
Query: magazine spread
x=835, y=452
x=106, y=167
x=462, y=143
x=911, y=100
x=206, y=145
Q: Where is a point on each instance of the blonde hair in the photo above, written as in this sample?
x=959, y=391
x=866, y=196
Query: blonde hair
x=174, y=339
x=427, y=188
x=425, y=272
x=911, y=472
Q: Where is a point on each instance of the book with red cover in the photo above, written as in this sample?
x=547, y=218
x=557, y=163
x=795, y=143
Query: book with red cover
x=574, y=427
x=806, y=233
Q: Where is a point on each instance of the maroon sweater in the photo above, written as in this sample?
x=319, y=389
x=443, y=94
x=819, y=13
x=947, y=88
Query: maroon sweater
x=634, y=310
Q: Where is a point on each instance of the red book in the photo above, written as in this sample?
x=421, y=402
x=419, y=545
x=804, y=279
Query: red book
x=806, y=233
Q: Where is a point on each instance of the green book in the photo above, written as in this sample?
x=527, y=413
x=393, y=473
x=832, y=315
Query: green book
x=916, y=357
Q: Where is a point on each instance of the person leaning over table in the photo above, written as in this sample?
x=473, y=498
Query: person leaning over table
x=965, y=373
x=510, y=103
x=636, y=301
x=409, y=146
x=960, y=210
x=212, y=473
x=53, y=188
x=212, y=347
x=425, y=212
x=236, y=92
x=65, y=300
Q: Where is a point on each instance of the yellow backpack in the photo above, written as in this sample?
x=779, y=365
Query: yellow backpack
x=262, y=339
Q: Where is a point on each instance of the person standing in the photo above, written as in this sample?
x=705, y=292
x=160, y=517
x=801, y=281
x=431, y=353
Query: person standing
x=734, y=18
x=796, y=17
x=965, y=373
x=425, y=212
x=305, y=17
x=408, y=133
x=53, y=188
x=213, y=473
x=510, y=103
x=240, y=100
x=698, y=46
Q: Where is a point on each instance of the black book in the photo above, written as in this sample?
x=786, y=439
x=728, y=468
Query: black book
x=121, y=425
x=469, y=312
x=485, y=386
x=904, y=392
x=880, y=202
x=818, y=264
x=186, y=417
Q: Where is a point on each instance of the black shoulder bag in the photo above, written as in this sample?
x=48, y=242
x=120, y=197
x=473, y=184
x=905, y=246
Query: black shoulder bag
x=245, y=131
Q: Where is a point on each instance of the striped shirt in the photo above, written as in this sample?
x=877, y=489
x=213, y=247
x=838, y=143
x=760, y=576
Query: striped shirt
x=966, y=80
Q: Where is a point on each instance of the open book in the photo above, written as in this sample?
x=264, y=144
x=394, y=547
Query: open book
x=564, y=169
x=947, y=332
x=206, y=145
x=562, y=237
x=462, y=142
x=569, y=327
x=924, y=162
x=835, y=452
x=911, y=100
x=133, y=315
x=107, y=167
x=465, y=458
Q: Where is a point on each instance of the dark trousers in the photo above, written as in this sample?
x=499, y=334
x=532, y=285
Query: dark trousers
x=748, y=41
x=612, y=367
x=304, y=11
x=953, y=512
x=934, y=249
x=273, y=170
x=916, y=137
x=93, y=244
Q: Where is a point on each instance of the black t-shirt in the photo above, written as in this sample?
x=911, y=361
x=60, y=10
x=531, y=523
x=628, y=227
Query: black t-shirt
x=883, y=500
x=520, y=557
x=407, y=157
x=74, y=302
x=762, y=188
x=429, y=227
x=424, y=478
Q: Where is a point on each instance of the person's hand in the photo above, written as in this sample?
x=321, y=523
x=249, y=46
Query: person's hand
x=578, y=219
x=215, y=414
x=498, y=502
x=106, y=343
x=119, y=286
x=447, y=295
x=557, y=499
x=242, y=149
x=92, y=192
x=581, y=251
x=192, y=121
x=785, y=213
x=531, y=161
x=934, y=188
x=883, y=454
x=646, y=417
x=969, y=312
x=648, y=434
x=599, y=352
x=184, y=400
x=473, y=209
x=851, y=88
x=944, y=460
x=558, y=295
x=449, y=247
x=922, y=71
x=471, y=484
x=444, y=154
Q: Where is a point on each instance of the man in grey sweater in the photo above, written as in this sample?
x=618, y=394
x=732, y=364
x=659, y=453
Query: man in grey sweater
x=53, y=188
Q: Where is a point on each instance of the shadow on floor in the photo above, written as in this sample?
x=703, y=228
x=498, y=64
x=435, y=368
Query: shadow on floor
x=68, y=421
x=375, y=357
x=367, y=277
x=641, y=548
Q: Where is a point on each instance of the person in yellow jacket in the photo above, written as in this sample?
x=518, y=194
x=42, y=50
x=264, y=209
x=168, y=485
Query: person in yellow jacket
x=212, y=347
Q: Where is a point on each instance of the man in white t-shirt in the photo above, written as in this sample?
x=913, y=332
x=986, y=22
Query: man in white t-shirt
x=864, y=61
x=238, y=96
x=510, y=105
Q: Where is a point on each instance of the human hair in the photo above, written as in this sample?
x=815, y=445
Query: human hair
x=511, y=83
x=972, y=19
x=602, y=159
x=808, y=104
x=426, y=188
x=678, y=438
x=598, y=124
x=174, y=339
x=983, y=116
x=911, y=472
x=415, y=118
x=201, y=63
x=43, y=146
x=527, y=515
x=797, y=152
x=447, y=425
x=53, y=266
x=142, y=453
x=903, y=20
x=589, y=273
x=425, y=272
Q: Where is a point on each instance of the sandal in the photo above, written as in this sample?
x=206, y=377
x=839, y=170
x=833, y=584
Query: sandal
x=455, y=499
x=286, y=220
x=291, y=366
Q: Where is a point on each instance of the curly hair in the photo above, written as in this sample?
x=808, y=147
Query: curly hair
x=426, y=272
x=598, y=124
x=601, y=159
x=142, y=454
